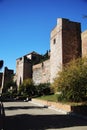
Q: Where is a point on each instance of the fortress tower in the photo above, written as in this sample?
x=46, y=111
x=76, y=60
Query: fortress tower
x=24, y=66
x=23, y=69
x=65, y=44
x=6, y=77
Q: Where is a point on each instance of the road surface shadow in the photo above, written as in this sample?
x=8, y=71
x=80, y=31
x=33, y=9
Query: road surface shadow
x=24, y=107
x=41, y=122
x=2, y=115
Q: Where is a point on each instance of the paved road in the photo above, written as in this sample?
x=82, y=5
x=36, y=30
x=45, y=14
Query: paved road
x=29, y=116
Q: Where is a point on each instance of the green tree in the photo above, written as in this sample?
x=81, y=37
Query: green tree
x=27, y=87
x=71, y=82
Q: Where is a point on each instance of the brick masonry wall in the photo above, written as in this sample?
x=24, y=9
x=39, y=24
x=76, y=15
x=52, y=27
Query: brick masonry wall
x=41, y=72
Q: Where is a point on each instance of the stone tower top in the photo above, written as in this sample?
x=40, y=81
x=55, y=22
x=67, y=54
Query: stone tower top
x=59, y=20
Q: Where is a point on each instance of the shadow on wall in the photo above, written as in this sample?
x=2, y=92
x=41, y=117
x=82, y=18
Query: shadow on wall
x=81, y=110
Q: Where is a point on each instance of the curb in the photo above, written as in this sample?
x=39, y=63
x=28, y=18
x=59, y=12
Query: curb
x=49, y=107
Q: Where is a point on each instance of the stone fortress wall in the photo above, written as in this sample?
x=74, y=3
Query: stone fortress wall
x=66, y=42
x=41, y=72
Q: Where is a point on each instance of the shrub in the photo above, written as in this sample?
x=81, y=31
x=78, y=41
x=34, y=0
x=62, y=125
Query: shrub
x=6, y=96
x=43, y=89
x=71, y=82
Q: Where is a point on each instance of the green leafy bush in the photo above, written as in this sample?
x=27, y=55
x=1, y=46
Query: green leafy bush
x=71, y=82
x=43, y=89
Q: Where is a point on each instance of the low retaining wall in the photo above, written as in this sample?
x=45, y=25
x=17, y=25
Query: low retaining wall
x=81, y=109
x=63, y=107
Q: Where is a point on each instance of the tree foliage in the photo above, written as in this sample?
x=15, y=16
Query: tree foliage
x=27, y=87
x=71, y=82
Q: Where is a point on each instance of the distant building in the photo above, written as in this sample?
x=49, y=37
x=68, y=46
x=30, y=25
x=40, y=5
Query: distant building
x=7, y=76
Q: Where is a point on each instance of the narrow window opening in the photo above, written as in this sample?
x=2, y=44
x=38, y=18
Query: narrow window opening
x=54, y=41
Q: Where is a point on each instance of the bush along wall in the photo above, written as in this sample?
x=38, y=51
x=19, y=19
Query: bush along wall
x=71, y=83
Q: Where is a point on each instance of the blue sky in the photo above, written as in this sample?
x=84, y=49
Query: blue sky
x=25, y=25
